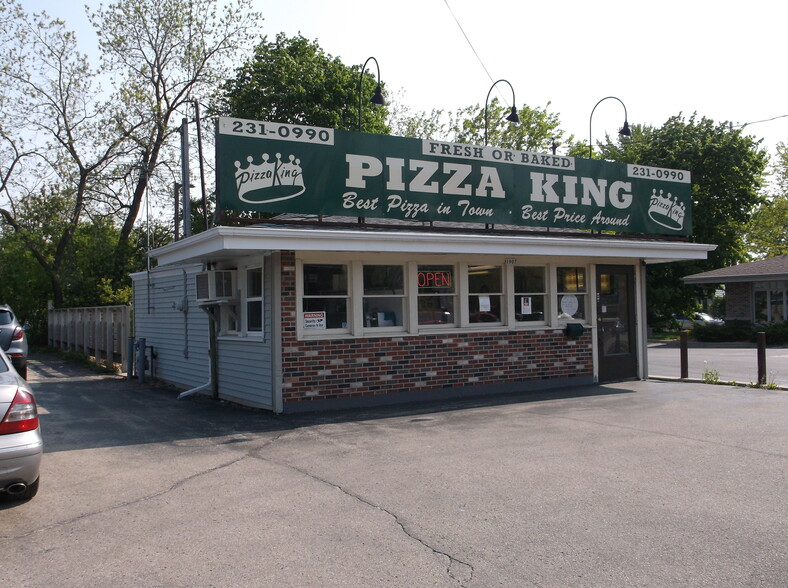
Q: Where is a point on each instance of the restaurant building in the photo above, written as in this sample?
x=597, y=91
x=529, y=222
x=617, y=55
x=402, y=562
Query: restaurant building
x=401, y=270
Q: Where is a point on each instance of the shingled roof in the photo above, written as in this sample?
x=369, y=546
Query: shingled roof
x=772, y=268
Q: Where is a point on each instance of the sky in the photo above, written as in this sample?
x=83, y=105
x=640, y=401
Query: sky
x=721, y=59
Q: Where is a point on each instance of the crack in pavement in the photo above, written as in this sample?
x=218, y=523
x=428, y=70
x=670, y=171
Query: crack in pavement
x=174, y=486
x=460, y=571
x=128, y=503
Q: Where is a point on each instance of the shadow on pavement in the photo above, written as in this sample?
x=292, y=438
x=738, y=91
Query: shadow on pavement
x=83, y=410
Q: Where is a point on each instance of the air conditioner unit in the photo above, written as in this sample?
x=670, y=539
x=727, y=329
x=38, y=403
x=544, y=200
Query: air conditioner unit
x=215, y=285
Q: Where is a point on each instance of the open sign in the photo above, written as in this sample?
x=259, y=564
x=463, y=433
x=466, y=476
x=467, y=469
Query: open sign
x=435, y=280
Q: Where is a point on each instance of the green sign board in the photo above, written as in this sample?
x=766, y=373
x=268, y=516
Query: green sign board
x=275, y=167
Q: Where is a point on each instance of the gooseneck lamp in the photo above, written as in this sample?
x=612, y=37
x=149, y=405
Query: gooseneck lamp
x=623, y=131
x=513, y=116
x=377, y=98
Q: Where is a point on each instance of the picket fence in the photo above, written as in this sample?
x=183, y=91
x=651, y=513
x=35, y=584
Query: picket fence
x=100, y=332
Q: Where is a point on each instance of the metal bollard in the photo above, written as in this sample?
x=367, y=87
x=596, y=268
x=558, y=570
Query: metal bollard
x=130, y=359
x=761, y=358
x=141, y=360
x=683, y=337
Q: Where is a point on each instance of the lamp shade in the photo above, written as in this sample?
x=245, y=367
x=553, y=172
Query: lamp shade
x=625, y=130
x=377, y=98
x=513, y=117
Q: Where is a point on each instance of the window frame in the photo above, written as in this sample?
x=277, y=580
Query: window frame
x=454, y=296
x=349, y=298
x=584, y=294
x=246, y=299
x=458, y=295
x=403, y=297
x=502, y=293
x=545, y=294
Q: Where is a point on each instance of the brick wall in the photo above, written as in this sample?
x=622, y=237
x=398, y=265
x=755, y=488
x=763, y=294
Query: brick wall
x=348, y=368
x=738, y=301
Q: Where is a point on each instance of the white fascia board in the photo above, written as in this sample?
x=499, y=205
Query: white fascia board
x=225, y=242
x=734, y=279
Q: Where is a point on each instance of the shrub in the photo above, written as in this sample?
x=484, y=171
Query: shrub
x=776, y=333
x=730, y=331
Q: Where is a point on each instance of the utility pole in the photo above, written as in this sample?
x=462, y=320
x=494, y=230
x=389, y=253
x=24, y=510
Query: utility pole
x=187, y=203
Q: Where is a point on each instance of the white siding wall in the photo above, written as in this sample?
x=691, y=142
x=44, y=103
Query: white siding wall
x=246, y=364
x=179, y=337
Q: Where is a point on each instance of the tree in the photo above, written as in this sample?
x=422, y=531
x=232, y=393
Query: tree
x=292, y=80
x=71, y=154
x=167, y=54
x=766, y=233
x=727, y=170
x=538, y=129
x=50, y=95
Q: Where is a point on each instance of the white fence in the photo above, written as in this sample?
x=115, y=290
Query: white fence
x=101, y=332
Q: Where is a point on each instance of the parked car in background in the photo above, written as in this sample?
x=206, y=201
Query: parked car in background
x=21, y=445
x=13, y=339
x=696, y=318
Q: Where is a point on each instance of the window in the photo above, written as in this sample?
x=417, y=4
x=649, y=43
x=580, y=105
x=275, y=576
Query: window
x=325, y=301
x=770, y=306
x=571, y=293
x=254, y=300
x=777, y=306
x=384, y=296
x=436, y=290
x=761, y=307
x=529, y=294
x=485, y=293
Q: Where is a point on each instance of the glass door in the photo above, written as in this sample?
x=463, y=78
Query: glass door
x=615, y=305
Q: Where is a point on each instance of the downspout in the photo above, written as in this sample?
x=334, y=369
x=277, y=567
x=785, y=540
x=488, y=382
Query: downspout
x=213, y=381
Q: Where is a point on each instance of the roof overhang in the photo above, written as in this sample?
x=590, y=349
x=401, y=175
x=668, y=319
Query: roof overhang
x=224, y=243
x=723, y=279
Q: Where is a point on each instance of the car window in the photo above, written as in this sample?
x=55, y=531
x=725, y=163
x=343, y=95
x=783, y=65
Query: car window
x=3, y=365
x=6, y=317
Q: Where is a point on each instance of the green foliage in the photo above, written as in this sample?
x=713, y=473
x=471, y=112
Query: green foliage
x=727, y=170
x=536, y=131
x=730, y=331
x=776, y=333
x=24, y=284
x=717, y=306
x=766, y=232
x=710, y=375
x=292, y=80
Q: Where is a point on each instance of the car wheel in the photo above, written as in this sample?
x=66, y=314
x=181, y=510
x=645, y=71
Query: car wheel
x=23, y=372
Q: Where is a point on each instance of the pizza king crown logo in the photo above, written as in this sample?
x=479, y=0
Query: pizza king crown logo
x=666, y=210
x=269, y=181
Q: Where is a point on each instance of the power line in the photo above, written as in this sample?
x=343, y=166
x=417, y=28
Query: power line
x=741, y=126
x=471, y=46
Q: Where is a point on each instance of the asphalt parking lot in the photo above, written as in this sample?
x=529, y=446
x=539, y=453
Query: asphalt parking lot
x=635, y=484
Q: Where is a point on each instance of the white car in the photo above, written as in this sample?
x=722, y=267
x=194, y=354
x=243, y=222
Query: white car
x=696, y=318
x=21, y=445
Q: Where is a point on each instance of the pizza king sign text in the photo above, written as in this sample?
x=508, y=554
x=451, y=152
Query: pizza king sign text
x=469, y=185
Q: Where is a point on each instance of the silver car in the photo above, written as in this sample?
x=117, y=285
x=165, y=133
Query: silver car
x=13, y=339
x=21, y=445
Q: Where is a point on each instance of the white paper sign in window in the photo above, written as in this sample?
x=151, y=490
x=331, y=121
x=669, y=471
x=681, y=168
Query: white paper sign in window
x=314, y=320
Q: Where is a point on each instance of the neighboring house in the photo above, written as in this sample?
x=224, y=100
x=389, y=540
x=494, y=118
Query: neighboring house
x=755, y=291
